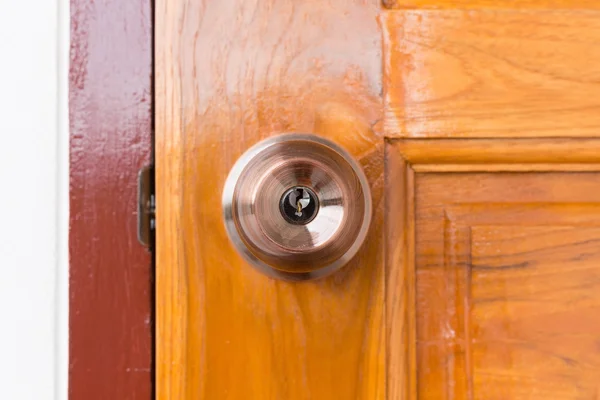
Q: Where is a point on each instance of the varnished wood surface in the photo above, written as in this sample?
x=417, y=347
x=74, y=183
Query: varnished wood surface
x=234, y=72
x=508, y=285
x=110, y=273
x=500, y=273
x=499, y=258
x=399, y=238
x=491, y=73
x=492, y=4
x=500, y=151
x=229, y=73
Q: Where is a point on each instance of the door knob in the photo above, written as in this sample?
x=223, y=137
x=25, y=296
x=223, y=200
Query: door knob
x=297, y=206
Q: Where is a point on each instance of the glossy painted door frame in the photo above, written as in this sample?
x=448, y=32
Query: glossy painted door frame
x=111, y=276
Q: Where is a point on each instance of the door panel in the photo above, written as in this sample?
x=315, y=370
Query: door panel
x=503, y=285
x=507, y=298
x=492, y=73
x=228, y=74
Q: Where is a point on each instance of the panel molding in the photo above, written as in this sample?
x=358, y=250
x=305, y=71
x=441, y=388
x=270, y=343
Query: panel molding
x=489, y=4
x=487, y=155
x=457, y=267
x=399, y=228
x=404, y=159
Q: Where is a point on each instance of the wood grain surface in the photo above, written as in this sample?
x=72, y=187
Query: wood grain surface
x=492, y=73
x=399, y=239
x=110, y=285
x=507, y=285
x=521, y=151
x=492, y=4
x=231, y=73
x=499, y=272
x=228, y=74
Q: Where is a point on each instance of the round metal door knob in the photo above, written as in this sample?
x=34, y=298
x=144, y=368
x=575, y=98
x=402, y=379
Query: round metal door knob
x=297, y=206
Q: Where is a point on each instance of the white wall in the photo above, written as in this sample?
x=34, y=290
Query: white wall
x=33, y=199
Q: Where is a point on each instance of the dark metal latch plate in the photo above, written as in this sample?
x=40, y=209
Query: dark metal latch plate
x=146, y=206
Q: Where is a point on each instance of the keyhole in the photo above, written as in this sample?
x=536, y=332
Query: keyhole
x=299, y=205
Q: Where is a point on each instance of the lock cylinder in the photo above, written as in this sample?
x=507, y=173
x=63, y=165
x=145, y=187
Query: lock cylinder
x=297, y=206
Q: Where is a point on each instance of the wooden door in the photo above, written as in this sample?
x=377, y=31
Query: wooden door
x=478, y=131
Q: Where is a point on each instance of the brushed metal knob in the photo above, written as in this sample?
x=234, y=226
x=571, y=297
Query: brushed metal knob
x=297, y=206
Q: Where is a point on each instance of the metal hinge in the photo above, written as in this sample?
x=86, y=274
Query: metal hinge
x=146, y=206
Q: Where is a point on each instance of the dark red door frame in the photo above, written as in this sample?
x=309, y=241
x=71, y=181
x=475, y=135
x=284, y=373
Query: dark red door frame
x=110, y=323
